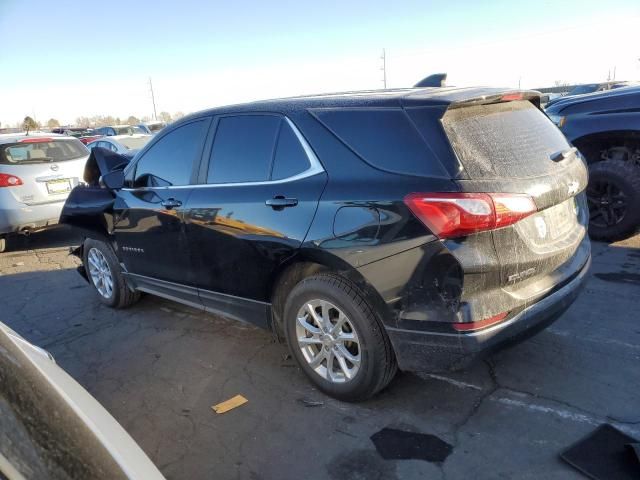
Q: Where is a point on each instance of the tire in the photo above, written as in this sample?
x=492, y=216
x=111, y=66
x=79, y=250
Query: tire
x=368, y=362
x=613, y=194
x=119, y=295
x=3, y=244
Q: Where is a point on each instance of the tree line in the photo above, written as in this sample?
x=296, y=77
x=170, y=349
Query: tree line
x=96, y=121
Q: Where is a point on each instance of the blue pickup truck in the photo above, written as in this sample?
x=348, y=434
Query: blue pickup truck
x=605, y=127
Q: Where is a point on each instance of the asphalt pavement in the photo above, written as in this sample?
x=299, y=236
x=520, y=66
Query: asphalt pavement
x=158, y=367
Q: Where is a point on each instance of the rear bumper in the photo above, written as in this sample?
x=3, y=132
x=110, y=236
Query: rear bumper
x=438, y=351
x=18, y=217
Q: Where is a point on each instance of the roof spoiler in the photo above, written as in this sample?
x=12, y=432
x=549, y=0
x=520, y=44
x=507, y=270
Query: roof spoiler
x=434, y=80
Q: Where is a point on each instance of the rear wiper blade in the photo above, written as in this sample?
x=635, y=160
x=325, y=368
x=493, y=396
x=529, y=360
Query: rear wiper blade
x=559, y=156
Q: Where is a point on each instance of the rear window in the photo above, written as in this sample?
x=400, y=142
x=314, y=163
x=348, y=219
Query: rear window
x=44, y=151
x=384, y=138
x=511, y=139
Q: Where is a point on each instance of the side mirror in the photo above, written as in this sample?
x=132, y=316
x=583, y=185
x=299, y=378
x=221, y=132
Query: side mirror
x=113, y=180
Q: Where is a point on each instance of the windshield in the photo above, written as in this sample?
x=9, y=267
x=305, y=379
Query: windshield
x=134, y=143
x=128, y=130
x=34, y=150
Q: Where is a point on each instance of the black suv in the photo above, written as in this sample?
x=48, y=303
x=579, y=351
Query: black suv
x=412, y=228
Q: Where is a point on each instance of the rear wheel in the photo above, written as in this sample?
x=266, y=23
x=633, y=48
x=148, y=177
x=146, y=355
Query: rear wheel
x=337, y=339
x=105, y=274
x=613, y=194
x=3, y=244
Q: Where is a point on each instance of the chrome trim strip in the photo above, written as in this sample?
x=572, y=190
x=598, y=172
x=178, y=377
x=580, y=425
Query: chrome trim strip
x=314, y=169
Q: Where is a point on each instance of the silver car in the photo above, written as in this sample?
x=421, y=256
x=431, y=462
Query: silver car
x=37, y=172
x=127, y=145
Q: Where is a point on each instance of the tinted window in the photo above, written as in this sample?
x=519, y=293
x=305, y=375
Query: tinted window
x=384, y=138
x=243, y=148
x=170, y=160
x=290, y=158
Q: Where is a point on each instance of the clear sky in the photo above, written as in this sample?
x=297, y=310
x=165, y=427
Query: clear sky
x=65, y=59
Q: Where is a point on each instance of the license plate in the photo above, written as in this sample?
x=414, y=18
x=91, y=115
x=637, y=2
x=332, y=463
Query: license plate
x=59, y=186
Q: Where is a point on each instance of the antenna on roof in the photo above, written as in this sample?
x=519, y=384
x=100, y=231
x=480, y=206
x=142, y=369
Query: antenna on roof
x=435, y=80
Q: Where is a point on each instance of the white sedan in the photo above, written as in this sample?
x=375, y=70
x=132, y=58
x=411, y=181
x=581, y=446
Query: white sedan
x=123, y=144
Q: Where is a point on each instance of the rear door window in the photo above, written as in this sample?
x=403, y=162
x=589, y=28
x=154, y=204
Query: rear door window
x=510, y=139
x=243, y=149
x=290, y=158
x=170, y=160
x=255, y=148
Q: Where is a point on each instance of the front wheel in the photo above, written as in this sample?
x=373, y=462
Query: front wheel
x=337, y=339
x=105, y=274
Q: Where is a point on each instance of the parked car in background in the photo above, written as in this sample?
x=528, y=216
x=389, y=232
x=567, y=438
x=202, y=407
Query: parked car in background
x=52, y=428
x=590, y=88
x=127, y=145
x=120, y=130
x=153, y=127
x=605, y=127
x=37, y=172
x=413, y=228
x=85, y=135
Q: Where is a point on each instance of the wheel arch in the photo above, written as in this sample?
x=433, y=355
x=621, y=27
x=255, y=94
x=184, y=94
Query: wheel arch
x=591, y=144
x=308, y=262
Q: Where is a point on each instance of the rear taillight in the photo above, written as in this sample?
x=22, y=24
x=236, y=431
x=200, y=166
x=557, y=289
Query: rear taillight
x=450, y=215
x=7, y=180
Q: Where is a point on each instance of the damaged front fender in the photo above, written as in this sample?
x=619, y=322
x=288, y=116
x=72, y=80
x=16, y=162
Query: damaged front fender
x=89, y=208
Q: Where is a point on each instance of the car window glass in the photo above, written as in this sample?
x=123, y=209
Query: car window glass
x=243, y=148
x=170, y=160
x=290, y=158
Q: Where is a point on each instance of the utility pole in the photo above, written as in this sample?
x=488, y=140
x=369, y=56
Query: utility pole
x=384, y=67
x=153, y=100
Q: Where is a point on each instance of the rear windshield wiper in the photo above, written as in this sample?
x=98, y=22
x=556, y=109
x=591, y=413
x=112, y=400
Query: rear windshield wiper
x=559, y=156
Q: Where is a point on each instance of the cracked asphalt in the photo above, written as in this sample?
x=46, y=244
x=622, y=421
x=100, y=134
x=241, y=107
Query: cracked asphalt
x=158, y=367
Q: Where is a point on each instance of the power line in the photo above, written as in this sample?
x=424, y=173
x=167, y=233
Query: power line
x=153, y=100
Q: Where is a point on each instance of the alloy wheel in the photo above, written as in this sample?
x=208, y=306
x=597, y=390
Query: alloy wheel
x=607, y=204
x=328, y=341
x=100, y=273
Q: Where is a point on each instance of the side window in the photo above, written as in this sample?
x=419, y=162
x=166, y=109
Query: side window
x=170, y=160
x=290, y=158
x=243, y=148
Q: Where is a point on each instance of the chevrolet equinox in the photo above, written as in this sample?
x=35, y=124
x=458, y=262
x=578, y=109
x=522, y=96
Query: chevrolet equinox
x=413, y=229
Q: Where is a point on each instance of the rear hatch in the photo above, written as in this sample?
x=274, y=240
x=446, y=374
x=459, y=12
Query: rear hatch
x=503, y=143
x=512, y=147
x=48, y=168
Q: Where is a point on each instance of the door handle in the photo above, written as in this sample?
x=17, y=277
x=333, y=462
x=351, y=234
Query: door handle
x=280, y=202
x=171, y=203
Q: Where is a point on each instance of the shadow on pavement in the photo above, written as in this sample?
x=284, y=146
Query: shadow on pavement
x=60, y=236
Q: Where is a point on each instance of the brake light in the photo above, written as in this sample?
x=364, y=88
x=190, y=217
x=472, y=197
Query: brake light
x=509, y=97
x=35, y=140
x=451, y=215
x=9, y=180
